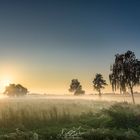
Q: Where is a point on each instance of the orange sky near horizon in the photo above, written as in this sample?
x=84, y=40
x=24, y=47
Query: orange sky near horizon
x=49, y=83
x=44, y=82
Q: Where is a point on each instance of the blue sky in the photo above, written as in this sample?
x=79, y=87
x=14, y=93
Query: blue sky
x=46, y=43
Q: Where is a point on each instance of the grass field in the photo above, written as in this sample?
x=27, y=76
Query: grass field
x=59, y=118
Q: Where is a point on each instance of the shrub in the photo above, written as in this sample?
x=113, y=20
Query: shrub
x=20, y=135
x=123, y=115
x=108, y=134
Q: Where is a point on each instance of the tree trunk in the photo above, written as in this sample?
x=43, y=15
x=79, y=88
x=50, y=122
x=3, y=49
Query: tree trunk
x=132, y=93
x=120, y=91
x=100, y=93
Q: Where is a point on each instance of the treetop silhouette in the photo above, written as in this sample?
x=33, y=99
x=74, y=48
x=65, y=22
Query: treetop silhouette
x=15, y=90
x=125, y=72
x=99, y=83
x=76, y=87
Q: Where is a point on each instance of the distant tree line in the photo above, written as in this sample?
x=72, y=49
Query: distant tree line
x=125, y=75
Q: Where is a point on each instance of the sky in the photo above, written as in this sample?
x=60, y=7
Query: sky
x=46, y=43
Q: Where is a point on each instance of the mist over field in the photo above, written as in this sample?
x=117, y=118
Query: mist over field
x=64, y=117
x=105, y=97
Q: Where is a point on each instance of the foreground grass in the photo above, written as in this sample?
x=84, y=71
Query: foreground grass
x=69, y=120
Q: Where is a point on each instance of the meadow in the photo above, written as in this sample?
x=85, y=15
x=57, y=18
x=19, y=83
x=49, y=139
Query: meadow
x=68, y=118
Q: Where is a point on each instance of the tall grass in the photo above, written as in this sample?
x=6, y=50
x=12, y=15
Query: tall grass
x=69, y=119
x=37, y=113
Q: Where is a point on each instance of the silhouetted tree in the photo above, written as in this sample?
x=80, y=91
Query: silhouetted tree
x=99, y=83
x=15, y=90
x=76, y=87
x=125, y=72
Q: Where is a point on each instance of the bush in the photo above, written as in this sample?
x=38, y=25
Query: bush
x=123, y=115
x=108, y=134
x=20, y=135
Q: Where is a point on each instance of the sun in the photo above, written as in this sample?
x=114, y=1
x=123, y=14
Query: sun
x=3, y=83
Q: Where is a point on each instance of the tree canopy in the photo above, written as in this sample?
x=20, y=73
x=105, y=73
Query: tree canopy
x=15, y=90
x=99, y=83
x=125, y=72
x=76, y=87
